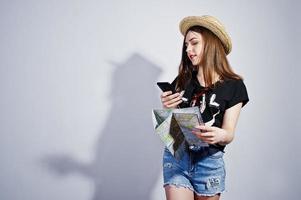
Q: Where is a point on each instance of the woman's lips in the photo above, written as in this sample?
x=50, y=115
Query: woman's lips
x=191, y=56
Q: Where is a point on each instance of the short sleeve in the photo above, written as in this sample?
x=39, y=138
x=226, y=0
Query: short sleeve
x=239, y=94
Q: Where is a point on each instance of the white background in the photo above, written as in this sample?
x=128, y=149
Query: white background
x=66, y=66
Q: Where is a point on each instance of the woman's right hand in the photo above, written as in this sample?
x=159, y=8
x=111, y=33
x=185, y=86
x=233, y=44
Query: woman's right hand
x=170, y=100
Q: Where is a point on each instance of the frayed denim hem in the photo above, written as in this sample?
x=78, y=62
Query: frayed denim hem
x=178, y=185
x=209, y=194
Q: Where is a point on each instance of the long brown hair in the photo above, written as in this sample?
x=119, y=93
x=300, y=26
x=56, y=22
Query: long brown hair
x=213, y=60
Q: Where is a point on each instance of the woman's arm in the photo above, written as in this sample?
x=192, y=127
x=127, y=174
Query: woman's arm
x=229, y=123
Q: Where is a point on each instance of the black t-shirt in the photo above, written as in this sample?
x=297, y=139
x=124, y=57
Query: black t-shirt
x=215, y=101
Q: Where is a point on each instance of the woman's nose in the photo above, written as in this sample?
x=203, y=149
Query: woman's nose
x=188, y=48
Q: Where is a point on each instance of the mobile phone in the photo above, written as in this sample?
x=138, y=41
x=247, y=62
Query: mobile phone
x=165, y=86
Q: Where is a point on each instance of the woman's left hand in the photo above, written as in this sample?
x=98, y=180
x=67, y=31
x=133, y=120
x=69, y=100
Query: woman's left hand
x=210, y=134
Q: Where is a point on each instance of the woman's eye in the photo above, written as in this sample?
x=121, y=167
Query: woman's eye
x=194, y=43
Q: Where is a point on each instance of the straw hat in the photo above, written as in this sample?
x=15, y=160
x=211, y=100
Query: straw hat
x=210, y=23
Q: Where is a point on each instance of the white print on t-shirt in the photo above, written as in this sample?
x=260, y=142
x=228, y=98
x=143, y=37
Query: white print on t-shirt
x=203, y=103
x=214, y=104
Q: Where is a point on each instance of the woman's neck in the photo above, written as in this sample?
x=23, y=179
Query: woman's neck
x=200, y=77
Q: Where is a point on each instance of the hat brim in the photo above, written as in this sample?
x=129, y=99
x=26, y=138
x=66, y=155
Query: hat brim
x=212, y=24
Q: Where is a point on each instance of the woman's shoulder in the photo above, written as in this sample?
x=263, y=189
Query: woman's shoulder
x=235, y=90
x=230, y=85
x=232, y=82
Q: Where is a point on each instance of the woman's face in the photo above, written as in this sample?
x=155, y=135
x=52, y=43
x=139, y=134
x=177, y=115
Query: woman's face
x=194, y=47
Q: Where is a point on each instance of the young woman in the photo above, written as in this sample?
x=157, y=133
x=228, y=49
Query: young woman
x=208, y=82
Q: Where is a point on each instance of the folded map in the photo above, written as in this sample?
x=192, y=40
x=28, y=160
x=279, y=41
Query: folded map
x=174, y=127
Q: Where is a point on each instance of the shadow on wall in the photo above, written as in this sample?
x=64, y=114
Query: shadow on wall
x=127, y=163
